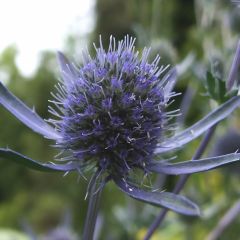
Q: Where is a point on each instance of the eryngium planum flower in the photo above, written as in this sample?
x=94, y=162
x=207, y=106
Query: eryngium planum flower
x=111, y=118
x=112, y=110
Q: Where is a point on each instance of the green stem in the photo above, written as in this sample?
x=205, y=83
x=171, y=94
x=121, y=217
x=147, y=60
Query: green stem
x=92, y=212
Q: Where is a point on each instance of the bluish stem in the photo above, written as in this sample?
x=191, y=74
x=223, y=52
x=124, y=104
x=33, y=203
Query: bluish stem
x=181, y=182
x=92, y=212
x=234, y=69
x=225, y=222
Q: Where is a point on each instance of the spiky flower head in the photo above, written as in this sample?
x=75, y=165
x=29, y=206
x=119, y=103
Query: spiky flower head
x=112, y=108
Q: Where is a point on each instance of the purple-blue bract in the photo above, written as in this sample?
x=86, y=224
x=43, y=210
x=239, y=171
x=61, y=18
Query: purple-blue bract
x=112, y=108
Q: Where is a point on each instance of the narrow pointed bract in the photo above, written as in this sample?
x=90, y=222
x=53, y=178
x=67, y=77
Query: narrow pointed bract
x=26, y=115
x=10, y=155
x=191, y=133
x=193, y=166
x=168, y=200
x=170, y=80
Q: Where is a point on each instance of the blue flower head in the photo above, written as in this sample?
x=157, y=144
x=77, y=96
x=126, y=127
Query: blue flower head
x=110, y=117
x=112, y=108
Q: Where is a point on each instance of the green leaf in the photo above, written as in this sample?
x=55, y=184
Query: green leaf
x=216, y=89
x=211, y=85
x=222, y=91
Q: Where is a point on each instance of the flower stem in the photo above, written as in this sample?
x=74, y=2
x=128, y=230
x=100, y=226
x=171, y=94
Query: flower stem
x=181, y=182
x=232, y=77
x=93, y=206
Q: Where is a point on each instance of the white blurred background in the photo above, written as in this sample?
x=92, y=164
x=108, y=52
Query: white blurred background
x=33, y=26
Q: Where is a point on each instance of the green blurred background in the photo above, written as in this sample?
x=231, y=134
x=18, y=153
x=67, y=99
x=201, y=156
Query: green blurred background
x=194, y=35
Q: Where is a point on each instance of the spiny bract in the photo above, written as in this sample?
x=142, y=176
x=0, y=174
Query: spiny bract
x=112, y=108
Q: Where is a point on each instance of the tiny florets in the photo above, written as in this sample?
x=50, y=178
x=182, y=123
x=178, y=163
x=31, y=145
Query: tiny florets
x=112, y=108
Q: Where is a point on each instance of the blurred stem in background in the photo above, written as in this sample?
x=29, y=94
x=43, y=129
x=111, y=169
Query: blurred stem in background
x=225, y=221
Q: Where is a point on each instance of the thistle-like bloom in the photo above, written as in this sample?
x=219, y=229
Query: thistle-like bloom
x=113, y=109
x=111, y=117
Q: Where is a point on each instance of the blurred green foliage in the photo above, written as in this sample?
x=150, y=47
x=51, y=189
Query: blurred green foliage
x=174, y=29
